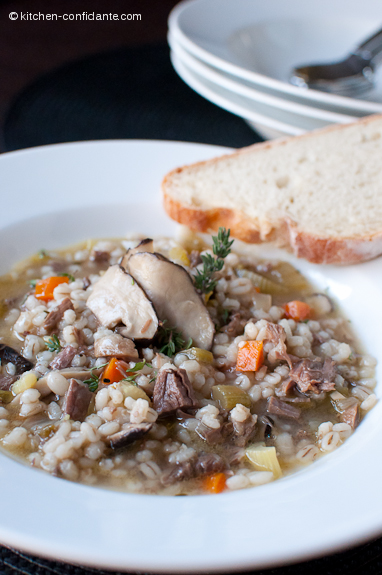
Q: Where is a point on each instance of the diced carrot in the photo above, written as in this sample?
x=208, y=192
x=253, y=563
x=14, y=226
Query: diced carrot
x=250, y=356
x=45, y=288
x=114, y=371
x=297, y=310
x=215, y=483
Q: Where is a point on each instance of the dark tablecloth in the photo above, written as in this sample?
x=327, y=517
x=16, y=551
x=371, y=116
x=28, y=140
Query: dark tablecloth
x=134, y=93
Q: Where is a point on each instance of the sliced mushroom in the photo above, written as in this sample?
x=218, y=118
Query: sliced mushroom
x=10, y=355
x=174, y=297
x=130, y=432
x=70, y=372
x=146, y=245
x=115, y=345
x=117, y=298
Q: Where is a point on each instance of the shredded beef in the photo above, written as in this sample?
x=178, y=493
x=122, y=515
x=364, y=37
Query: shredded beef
x=129, y=433
x=180, y=472
x=205, y=464
x=6, y=381
x=276, y=334
x=10, y=355
x=208, y=463
x=278, y=407
x=314, y=375
x=351, y=415
x=99, y=257
x=243, y=431
x=236, y=325
x=77, y=400
x=195, y=258
x=64, y=358
x=79, y=335
x=55, y=316
x=172, y=391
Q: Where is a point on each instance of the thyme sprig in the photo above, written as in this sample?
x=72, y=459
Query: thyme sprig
x=93, y=381
x=53, y=343
x=133, y=372
x=66, y=275
x=204, y=279
x=171, y=340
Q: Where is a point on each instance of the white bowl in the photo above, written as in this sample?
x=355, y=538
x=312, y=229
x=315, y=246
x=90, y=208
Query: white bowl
x=257, y=116
x=58, y=195
x=323, y=117
x=259, y=42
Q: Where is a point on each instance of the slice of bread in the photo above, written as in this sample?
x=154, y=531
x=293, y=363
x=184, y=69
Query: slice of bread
x=320, y=193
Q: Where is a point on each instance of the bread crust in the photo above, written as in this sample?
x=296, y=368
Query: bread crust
x=285, y=232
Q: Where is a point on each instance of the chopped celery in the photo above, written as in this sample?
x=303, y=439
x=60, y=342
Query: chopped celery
x=264, y=459
x=230, y=395
x=291, y=278
x=199, y=354
x=131, y=390
x=265, y=285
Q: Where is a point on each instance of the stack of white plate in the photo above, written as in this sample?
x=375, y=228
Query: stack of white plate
x=239, y=55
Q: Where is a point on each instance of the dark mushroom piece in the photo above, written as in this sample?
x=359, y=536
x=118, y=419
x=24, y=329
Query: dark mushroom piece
x=146, y=245
x=129, y=433
x=10, y=355
x=174, y=296
x=117, y=298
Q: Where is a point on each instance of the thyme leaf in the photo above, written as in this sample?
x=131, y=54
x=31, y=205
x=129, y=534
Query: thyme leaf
x=53, y=343
x=66, y=275
x=130, y=378
x=92, y=382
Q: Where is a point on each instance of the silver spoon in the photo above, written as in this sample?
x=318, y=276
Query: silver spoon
x=350, y=77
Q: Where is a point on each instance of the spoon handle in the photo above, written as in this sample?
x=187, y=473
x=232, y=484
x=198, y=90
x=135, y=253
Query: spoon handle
x=371, y=47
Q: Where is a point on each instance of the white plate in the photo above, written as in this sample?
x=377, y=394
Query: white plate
x=58, y=195
x=244, y=38
x=233, y=85
x=268, y=127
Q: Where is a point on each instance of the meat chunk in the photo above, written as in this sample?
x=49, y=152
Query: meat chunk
x=6, y=381
x=129, y=433
x=172, y=391
x=314, y=375
x=10, y=355
x=244, y=430
x=55, y=316
x=213, y=436
x=208, y=463
x=195, y=258
x=64, y=358
x=116, y=346
x=236, y=325
x=180, y=472
x=77, y=400
x=276, y=334
x=351, y=416
x=79, y=335
x=99, y=257
x=278, y=407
